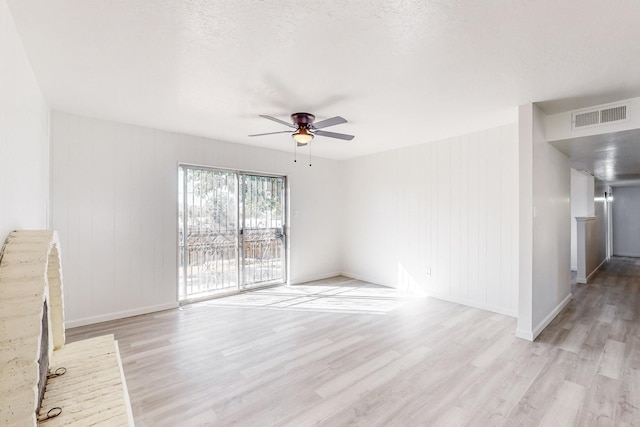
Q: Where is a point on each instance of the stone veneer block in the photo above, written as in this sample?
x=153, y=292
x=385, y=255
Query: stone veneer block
x=29, y=275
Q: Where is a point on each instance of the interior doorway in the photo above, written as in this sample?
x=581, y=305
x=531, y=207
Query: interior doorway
x=231, y=231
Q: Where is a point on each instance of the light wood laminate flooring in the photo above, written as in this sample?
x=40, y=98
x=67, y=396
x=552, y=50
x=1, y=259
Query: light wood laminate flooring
x=342, y=352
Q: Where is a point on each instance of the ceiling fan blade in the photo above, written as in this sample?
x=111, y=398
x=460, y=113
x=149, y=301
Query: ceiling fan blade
x=270, y=133
x=278, y=121
x=330, y=122
x=334, y=135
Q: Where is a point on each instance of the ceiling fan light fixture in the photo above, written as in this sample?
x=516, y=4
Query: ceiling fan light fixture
x=302, y=136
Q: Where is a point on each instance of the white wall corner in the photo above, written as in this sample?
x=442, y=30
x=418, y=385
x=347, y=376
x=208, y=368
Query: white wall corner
x=525, y=215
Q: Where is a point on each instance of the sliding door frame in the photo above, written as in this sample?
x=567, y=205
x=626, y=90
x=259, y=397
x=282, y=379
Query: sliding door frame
x=239, y=273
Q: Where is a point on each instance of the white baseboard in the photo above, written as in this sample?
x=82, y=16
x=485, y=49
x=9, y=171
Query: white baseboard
x=364, y=279
x=525, y=335
x=449, y=298
x=475, y=304
x=595, y=270
x=314, y=278
x=584, y=280
x=118, y=315
x=545, y=322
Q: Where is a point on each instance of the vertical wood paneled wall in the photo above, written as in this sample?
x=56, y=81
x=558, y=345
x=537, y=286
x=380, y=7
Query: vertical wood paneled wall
x=114, y=204
x=450, y=207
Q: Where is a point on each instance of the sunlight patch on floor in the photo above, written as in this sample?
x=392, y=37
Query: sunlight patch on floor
x=344, y=299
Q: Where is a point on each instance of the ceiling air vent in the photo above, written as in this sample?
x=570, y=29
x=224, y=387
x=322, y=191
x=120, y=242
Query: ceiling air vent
x=613, y=114
x=600, y=116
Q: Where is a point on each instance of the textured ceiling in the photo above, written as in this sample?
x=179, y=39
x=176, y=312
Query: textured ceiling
x=401, y=71
x=613, y=157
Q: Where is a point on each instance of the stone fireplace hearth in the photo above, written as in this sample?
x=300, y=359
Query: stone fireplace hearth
x=30, y=288
x=32, y=344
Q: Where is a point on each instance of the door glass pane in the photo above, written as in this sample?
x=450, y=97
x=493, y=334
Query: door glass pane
x=208, y=232
x=263, y=246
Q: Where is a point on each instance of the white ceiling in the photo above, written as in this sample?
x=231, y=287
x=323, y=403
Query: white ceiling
x=401, y=71
x=613, y=157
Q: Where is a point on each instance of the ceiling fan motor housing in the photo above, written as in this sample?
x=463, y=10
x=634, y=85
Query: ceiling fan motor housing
x=303, y=120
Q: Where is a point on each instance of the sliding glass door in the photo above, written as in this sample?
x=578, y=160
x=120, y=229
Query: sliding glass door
x=231, y=231
x=262, y=232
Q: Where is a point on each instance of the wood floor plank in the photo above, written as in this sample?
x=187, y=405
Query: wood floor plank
x=277, y=361
x=627, y=408
x=600, y=403
x=347, y=379
x=611, y=360
x=576, y=338
x=608, y=313
x=357, y=391
x=384, y=361
x=566, y=406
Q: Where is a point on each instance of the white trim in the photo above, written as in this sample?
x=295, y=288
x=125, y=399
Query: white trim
x=450, y=298
x=584, y=280
x=475, y=304
x=364, y=279
x=526, y=335
x=119, y=315
x=596, y=269
x=314, y=278
x=545, y=322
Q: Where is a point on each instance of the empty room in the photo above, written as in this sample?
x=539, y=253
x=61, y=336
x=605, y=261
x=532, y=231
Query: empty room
x=411, y=213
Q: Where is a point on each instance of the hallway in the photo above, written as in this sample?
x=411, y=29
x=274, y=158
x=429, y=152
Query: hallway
x=596, y=341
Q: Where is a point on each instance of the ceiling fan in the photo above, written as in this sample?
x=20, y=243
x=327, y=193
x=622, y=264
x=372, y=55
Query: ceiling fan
x=304, y=128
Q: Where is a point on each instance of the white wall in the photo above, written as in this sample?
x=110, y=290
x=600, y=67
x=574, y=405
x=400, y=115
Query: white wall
x=544, y=226
x=551, y=228
x=601, y=211
x=626, y=221
x=450, y=206
x=578, y=208
x=24, y=140
x=114, y=203
x=525, y=222
x=582, y=205
x=588, y=262
x=592, y=230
